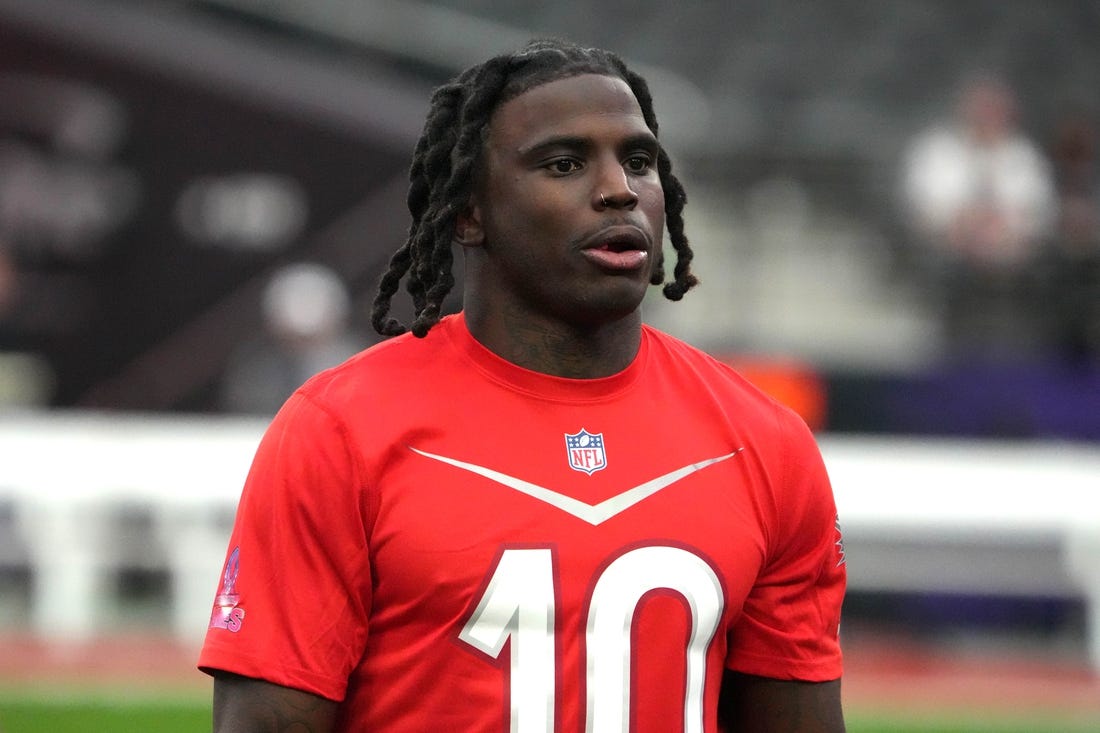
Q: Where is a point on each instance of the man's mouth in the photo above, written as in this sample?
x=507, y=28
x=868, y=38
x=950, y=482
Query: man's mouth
x=622, y=248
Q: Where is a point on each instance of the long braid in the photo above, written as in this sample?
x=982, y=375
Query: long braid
x=473, y=115
x=675, y=200
x=442, y=172
x=440, y=136
x=417, y=201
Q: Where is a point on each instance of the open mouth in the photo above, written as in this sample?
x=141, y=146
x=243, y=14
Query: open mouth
x=621, y=250
x=621, y=238
x=620, y=244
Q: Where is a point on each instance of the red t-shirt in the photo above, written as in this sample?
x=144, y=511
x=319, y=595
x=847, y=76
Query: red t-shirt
x=444, y=541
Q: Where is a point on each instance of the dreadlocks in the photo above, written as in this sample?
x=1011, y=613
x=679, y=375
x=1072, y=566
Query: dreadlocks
x=443, y=164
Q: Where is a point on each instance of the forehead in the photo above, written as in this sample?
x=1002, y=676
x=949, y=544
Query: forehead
x=570, y=106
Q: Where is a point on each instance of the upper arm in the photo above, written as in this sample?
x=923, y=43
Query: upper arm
x=302, y=521
x=248, y=705
x=788, y=626
x=750, y=704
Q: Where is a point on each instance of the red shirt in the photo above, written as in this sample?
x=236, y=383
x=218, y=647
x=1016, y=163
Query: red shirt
x=445, y=541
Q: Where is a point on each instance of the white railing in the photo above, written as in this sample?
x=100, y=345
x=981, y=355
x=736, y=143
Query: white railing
x=67, y=475
x=972, y=517
x=918, y=515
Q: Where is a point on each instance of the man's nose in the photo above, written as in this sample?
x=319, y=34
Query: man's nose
x=613, y=189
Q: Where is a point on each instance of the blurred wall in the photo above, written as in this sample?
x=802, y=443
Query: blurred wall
x=161, y=160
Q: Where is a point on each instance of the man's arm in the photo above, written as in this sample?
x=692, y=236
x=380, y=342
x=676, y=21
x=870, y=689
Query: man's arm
x=750, y=704
x=247, y=705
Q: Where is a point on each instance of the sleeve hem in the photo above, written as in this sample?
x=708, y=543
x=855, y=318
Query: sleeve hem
x=821, y=670
x=213, y=660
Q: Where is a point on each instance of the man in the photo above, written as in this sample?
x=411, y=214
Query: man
x=540, y=515
x=980, y=200
x=977, y=189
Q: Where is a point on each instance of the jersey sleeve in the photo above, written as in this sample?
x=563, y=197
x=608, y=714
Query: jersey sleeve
x=790, y=621
x=294, y=595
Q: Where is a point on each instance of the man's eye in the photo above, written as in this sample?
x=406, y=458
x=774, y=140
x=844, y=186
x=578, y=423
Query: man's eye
x=563, y=165
x=638, y=163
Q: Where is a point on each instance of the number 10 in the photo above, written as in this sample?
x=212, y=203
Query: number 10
x=518, y=604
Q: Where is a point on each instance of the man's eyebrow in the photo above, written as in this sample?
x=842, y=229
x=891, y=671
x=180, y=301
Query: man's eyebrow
x=643, y=140
x=572, y=142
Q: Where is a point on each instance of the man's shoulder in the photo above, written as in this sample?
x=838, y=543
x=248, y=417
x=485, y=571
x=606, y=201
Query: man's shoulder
x=676, y=356
x=374, y=371
x=701, y=372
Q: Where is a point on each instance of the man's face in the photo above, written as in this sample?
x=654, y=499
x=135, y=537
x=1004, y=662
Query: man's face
x=568, y=207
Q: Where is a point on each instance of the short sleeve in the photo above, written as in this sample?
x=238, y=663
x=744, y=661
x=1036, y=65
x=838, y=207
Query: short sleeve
x=790, y=621
x=295, y=592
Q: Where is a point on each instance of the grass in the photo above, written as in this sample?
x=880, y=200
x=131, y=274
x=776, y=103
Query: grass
x=32, y=713
x=104, y=708
x=91, y=717
x=884, y=723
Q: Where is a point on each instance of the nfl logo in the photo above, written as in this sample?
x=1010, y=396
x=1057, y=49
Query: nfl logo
x=585, y=451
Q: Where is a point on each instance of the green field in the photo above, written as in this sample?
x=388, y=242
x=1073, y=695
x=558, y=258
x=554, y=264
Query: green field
x=89, y=717
x=28, y=714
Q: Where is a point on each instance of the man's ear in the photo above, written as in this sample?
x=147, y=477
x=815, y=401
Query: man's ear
x=468, y=229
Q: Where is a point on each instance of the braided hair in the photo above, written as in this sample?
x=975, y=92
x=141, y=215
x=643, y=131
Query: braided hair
x=448, y=150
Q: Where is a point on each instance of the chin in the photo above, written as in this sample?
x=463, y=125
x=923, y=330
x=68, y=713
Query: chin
x=609, y=307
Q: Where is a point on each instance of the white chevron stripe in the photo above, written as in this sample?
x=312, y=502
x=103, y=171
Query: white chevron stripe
x=594, y=514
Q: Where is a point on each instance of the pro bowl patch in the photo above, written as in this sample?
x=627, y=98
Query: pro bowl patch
x=226, y=614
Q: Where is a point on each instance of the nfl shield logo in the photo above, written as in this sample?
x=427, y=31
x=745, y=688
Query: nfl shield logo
x=585, y=451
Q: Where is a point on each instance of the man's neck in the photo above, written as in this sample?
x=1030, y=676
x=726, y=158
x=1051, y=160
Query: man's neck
x=560, y=349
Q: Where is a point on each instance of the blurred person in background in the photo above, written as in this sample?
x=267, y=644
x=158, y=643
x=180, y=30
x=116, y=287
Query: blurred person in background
x=538, y=514
x=979, y=197
x=1077, y=172
x=1076, y=255
x=977, y=187
x=306, y=315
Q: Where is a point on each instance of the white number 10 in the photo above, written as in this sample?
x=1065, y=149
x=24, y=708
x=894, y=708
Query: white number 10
x=518, y=604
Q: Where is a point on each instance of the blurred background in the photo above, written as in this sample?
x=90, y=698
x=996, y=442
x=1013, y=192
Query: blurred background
x=895, y=208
